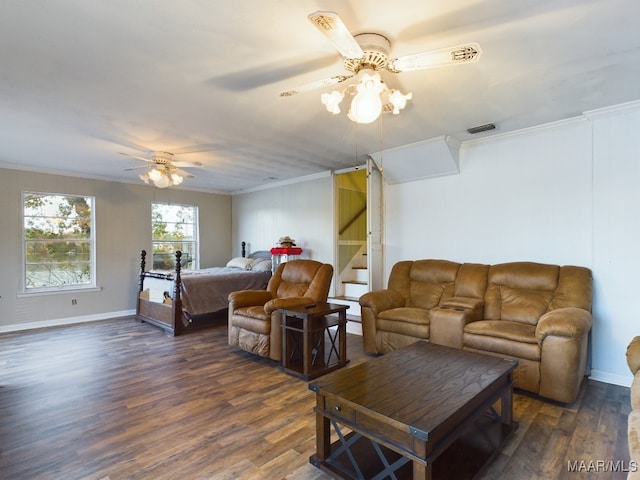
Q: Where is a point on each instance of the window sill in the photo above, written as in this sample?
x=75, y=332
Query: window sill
x=61, y=291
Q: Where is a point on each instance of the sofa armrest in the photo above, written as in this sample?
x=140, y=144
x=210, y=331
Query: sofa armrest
x=286, y=302
x=381, y=300
x=248, y=298
x=569, y=322
x=449, y=319
x=371, y=304
x=563, y=338
x=633, y=355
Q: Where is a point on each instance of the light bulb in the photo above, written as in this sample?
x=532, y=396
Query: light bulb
x=177, y=179
x=155, y=174
x=365, y=107
x=162, y=182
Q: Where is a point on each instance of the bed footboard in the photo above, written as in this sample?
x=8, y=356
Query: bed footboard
x=168, y=315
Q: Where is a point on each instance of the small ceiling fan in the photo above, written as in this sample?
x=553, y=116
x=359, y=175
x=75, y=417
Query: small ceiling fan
x=163, y=171
x=366, y=54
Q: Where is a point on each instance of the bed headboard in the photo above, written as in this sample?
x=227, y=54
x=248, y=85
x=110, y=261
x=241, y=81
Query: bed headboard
x=260, y=254
x=256, y=254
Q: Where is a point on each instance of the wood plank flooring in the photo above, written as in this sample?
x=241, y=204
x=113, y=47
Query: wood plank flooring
x=120, y=399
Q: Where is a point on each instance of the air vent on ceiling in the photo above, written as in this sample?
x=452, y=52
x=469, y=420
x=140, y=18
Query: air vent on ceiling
x=481, y=128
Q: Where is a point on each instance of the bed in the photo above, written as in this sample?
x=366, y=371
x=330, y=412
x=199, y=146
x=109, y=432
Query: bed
x=174, y=300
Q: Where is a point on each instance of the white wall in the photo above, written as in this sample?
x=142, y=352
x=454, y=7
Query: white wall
x=123, y=228
x=616, y=238
x=564, y=194
x=303, y=210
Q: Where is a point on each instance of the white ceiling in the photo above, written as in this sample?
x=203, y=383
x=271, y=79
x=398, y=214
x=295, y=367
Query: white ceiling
x=82, y=80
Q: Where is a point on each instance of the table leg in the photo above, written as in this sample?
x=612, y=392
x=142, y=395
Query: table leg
x=506, y=404
x=342, y=329
x=323, y=437
x=285, y=345
x=421, y=472
x=306, y=346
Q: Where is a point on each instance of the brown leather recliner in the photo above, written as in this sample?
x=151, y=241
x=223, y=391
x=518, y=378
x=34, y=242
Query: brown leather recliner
x=254, y=319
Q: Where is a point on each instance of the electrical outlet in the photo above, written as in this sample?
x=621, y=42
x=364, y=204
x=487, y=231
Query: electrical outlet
x=74, y=301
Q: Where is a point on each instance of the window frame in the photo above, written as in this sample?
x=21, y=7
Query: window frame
x=91, y=240
x=195, y=261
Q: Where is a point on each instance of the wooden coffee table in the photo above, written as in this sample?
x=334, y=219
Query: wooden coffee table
x=403, y=411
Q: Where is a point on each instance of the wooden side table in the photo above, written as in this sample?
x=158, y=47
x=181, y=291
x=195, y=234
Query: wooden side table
x=314, y=339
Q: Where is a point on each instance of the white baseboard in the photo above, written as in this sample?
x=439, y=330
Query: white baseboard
x=65, y=321
x=355, y=328
x=607, y=377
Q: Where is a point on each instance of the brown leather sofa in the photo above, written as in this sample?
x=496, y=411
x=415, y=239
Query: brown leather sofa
x=537, y=314
x=254, y=319
x=633, y=426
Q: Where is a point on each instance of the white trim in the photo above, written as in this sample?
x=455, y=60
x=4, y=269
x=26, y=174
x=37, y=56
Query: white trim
x=351, y=169
x=354, y=327
x=615, y=379
x=65, y=321
x=613, y=109
x=525, y=131
x=291, y=181
x=103, y=178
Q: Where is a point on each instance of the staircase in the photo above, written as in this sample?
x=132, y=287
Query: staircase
x=354, y=282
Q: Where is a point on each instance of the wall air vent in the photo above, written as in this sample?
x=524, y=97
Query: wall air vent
x=481, y=128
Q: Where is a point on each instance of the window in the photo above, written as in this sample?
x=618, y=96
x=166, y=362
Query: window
x=175, y=227
x=59, y=241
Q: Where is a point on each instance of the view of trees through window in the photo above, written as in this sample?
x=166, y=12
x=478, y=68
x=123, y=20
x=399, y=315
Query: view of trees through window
x=175, y=227
x=58, y=241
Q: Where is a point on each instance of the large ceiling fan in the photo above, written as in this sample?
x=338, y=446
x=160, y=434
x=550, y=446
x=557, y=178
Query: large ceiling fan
x=367, y=54
x=163, y=170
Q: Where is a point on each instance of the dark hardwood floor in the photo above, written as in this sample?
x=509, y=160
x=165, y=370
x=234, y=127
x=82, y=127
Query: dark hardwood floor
x=121, y=400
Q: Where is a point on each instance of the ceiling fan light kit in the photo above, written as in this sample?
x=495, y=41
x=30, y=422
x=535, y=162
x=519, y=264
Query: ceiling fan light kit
x=364, y=56
x=163, y=171
x=162, y=177
x=370, y=97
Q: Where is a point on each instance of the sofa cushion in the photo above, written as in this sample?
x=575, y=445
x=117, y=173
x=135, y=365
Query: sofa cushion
x=406, y=321
x=503, y=337
x=406, y=315
x=249, y=313
x=430, y=281
x=520, y=291
x=423, y=283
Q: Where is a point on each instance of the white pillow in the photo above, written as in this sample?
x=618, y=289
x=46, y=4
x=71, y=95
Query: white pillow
x=240, y=262
x=261, y=265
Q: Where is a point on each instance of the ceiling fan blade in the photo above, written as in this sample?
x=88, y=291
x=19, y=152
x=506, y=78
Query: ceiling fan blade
x=201, y=147
x=136, y=157
x=467, y=53
x=315, y=85
x=187, y=164
x=136, y=168
x=184, y=174
x=330, y=24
